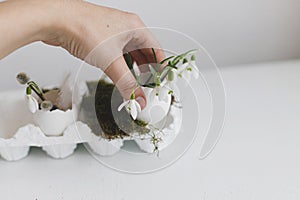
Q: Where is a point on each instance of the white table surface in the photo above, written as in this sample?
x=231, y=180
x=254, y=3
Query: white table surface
x=256, y=158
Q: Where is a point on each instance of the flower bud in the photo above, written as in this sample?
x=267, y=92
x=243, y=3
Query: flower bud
x=28, y=91
x=22, y=78
x=46, y=105
x=171, y=75
x=132, y=95
x=193, y=58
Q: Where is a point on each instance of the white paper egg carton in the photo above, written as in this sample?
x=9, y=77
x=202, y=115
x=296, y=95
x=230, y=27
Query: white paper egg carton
x=18, y=133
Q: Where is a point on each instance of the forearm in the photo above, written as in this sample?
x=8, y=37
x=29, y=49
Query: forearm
x=21, y=23
x=80, y=27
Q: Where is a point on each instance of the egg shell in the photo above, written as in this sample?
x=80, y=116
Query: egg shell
x=53, y=123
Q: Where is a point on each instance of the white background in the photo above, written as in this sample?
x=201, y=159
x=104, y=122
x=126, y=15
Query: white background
x=233, y=31
x=258, y=155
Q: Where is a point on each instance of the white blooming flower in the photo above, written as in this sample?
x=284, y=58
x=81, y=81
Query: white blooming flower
x=188, y=69
x=132, y=107
x=170, y=85
x=159, y=92
x=32, y=103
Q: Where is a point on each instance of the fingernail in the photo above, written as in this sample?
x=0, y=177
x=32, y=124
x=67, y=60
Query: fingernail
x=141, y=101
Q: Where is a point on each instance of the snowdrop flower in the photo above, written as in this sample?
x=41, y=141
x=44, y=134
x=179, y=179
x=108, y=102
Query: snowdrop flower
x=32, y=103
x=23, y=79
x=170, y=86
x=164, y=88
x=160, y=92
x=188, y=69
x=131, y=106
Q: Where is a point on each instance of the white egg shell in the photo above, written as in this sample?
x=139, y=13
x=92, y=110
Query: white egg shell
x=155, y=110
x=53, y=123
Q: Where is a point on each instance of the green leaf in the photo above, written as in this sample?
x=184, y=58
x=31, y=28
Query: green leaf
x=33, y=85
x=154, y=54
x=177, y=59
x=166, y=59
x=191, y=51
x=128, y=60
x=150, y=85
x=182, y=56
x=173, y=66
x=157, y=65
x=36, y=89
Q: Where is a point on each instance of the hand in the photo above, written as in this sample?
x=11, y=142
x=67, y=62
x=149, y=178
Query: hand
x=100, y=35
x=96, y=34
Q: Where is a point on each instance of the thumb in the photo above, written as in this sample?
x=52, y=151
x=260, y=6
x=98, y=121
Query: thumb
x=120, y=74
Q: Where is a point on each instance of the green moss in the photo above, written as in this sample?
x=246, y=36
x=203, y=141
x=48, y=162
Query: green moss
x=100, y=112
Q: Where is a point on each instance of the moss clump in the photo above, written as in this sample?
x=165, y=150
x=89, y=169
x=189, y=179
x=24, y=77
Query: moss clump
x=100, y=112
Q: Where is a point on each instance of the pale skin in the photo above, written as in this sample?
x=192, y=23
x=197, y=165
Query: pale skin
x=78, y=27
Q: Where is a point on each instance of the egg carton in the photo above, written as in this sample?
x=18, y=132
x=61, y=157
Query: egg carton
x=18, y=133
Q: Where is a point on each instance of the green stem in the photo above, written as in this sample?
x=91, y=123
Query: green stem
x=36, y=89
